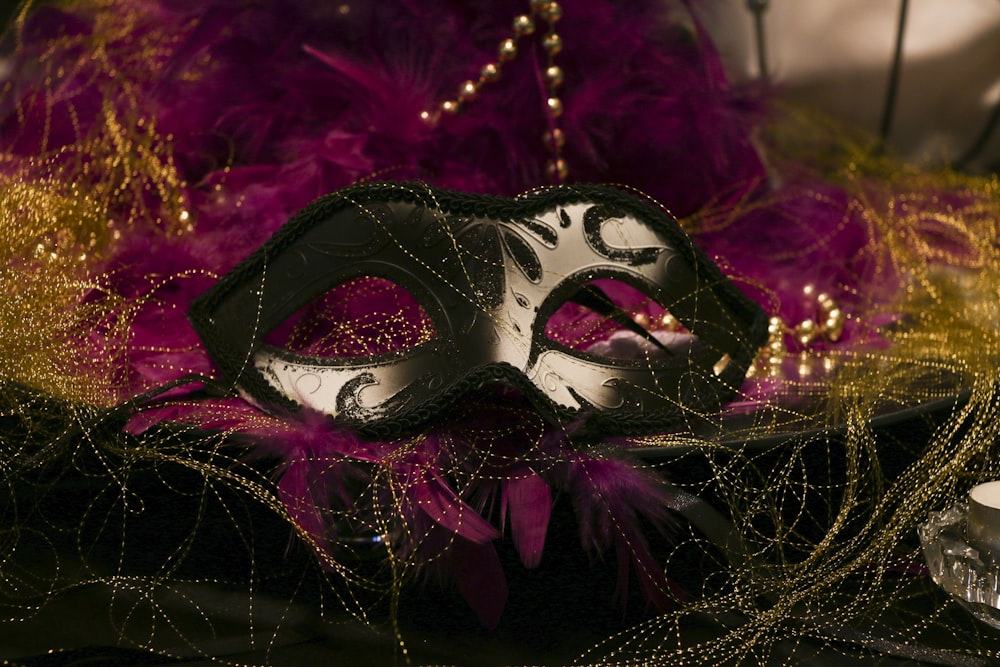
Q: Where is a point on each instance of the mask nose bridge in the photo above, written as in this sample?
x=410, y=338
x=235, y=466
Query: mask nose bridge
x=546, y=250
x=491, y=334
x=441, y=274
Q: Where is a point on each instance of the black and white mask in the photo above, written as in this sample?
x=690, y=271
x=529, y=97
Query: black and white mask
x=489, y=272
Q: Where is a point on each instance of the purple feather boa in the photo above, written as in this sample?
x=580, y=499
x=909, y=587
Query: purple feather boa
x=270, y=105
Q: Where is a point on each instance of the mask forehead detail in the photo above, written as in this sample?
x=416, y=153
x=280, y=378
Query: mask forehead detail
x=489, y=273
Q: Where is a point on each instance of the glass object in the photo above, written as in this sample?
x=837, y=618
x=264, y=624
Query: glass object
x=968, y=573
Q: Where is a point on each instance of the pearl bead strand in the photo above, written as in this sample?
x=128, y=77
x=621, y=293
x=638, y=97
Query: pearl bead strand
x=542, y=11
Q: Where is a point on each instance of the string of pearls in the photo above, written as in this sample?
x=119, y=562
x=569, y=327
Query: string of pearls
x=524, y=25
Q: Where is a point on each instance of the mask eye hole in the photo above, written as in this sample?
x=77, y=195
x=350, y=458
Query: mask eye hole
x=362, y=317
x=612, y=319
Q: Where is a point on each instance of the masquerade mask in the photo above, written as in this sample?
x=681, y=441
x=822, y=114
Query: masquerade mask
x=489, y=273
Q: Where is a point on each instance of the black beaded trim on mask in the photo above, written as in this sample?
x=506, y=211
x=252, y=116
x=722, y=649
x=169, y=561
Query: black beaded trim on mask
x=320, y=248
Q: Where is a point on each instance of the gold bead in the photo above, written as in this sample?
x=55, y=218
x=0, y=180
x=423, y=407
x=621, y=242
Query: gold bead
x=449, y=106
x=489, y=73
x=552, y=43
x=554, y=138
x=538, y=5
x=835, y=321
x=427, y=117
x=720, y=366
x=555, y=106
x=775, y=326
x=669, y=322
x=468, y=91
x=554, y=76
x=806, y=331
x=523, y=25
x=557, y=170
x=508, y=50
x=805, y=366
x=825, y=302
x=551, y=12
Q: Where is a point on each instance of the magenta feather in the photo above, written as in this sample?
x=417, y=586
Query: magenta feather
x=528, y=498
x=432, y=495
x=271, y=104
x=609, y=495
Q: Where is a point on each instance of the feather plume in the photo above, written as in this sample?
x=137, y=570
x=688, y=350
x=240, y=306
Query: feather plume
x=268, y=105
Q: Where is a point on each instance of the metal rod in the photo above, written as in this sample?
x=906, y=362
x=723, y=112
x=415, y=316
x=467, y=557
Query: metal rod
x=984, y=136
x=888, y=111
x=757, y=8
